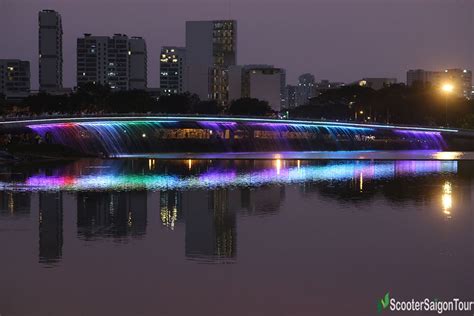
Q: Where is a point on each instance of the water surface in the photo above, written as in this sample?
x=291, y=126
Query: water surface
x=233, y=237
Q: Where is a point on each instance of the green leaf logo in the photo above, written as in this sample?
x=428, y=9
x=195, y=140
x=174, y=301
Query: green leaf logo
x=383, y=303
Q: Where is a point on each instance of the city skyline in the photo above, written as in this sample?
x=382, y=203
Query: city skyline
x=349, y=58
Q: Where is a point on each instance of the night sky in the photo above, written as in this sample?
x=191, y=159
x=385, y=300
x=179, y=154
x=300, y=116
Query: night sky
x=339, y=40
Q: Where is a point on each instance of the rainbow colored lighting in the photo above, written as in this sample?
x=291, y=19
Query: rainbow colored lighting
x=34, y=122
x=113, y=179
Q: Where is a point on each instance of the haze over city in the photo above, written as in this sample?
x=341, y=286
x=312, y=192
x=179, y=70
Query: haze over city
x=342, y=40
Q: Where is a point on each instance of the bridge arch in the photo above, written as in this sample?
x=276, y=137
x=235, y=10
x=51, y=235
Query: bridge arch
x=124, y=135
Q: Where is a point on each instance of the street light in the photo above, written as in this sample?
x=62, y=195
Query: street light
x=447, y=88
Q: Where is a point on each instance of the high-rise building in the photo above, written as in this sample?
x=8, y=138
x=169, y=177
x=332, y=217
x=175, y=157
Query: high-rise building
x=172, y=69
x=291, y=92
x=306, y=89
x=138, y=64
x=211, y=47
x=50, y=51
x=92, y=63
x=14, y=78
x=263, y=82
x=461, y=79
x=423, y=77
x=325, y=85
x=118, y=50
x=116, y=61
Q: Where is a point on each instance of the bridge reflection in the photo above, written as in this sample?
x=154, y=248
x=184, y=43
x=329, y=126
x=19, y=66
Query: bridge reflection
x=205, y=202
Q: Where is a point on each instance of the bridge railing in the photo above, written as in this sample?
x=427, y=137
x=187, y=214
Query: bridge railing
x=46, y=116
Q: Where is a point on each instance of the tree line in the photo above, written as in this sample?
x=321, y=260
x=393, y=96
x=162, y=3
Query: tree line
x=396, y=104
x=96, y=98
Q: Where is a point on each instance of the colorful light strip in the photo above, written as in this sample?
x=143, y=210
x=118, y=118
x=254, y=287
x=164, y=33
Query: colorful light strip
x=35, y=122
x=341, y=171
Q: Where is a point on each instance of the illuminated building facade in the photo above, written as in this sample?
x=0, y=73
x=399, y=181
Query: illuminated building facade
x=50, y=50
x=211, y=47
x=14, y=78
x=116, y=61
x=305, y=89
x=172, y=69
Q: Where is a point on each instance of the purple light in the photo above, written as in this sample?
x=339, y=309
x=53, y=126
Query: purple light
x=423, y=139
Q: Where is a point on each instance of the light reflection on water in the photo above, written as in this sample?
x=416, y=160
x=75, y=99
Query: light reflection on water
x=117, y=175
x=190, y=230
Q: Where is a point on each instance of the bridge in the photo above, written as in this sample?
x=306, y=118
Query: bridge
x=114, y=135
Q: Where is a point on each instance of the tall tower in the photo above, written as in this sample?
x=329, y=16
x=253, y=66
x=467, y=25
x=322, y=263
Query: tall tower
x=306, y=89
x=50, y=50
x=116, y=61
x=137, y=63
x=211, y=48
x=91, y=60
x=172, y=69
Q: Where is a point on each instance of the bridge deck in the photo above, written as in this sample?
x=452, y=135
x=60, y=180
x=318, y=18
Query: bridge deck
x=24, y=122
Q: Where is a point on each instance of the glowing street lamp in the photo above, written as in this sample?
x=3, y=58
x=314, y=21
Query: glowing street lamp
x=447, y=89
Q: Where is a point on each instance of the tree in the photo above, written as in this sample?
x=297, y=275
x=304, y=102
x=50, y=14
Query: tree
x=91, y=97
x=207, y=107
x=177, y=103
x=43, y=103
x=249, y=106
x=136, y=101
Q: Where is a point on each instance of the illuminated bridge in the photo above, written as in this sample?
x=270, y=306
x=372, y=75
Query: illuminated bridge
x=121, y=135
